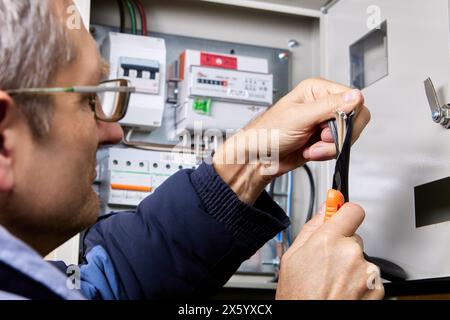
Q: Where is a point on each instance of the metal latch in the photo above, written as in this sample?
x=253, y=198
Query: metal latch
x=439, y=113
x=172, y=91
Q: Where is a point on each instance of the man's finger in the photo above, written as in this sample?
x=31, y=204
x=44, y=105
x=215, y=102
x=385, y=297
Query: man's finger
x=374, y=283
x=314, y=89
x=310, y=228
x=359, y=241
x=346, y=221
x=320, y=151
x=326, y=135
x=360, y=123
x=325, y=109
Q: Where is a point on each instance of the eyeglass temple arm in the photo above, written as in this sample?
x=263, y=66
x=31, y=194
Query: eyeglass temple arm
x=87, y=89
x=103, y=89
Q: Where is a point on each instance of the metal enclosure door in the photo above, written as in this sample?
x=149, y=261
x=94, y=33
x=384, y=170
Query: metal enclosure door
x=402, y=148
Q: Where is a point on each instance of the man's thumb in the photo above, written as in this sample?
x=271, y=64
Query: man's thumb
x=325, y=109
x=310, y=228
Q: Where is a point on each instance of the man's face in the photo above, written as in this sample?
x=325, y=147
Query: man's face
x=52, y=197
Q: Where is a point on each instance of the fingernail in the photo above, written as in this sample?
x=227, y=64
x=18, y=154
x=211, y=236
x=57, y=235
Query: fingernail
x=307, y=154
x=327, y=134
x=351, y=96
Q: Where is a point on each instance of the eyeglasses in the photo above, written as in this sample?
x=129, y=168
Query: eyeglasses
x=109, y=100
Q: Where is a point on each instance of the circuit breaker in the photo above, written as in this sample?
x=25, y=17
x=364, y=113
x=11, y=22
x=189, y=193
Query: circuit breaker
x=141, y=60
x=128, y=176
x=218, y=91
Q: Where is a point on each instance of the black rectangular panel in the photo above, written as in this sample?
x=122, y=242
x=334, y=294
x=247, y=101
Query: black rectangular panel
x=432, y=202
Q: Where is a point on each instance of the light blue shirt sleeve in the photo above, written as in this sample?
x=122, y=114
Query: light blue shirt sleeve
x=98, y=277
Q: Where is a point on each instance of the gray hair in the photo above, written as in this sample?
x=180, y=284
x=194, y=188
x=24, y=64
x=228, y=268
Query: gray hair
x=34, y=45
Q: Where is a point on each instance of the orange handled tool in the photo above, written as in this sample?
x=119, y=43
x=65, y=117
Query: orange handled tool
x=335, y=200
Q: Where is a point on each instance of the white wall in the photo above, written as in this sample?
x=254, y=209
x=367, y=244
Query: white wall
x=68, y=252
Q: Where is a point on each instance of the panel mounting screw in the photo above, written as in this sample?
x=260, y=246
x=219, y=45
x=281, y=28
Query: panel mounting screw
x=436, y=116
x=293, y=43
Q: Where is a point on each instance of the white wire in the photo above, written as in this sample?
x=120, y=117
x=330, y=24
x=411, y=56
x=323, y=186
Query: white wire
x=290, y=191
x=154, y=147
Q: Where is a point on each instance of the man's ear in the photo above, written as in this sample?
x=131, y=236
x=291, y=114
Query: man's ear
x=6, y=165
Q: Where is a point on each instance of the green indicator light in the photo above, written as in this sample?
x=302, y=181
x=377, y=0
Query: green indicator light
x=202, y=106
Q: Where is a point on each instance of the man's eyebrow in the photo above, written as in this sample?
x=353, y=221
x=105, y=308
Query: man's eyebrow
x=104, y=69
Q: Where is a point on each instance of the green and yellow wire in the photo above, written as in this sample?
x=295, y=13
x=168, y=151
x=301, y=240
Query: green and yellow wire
x=132, y=16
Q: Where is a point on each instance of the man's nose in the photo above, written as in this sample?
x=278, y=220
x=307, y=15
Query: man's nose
x=109, y=133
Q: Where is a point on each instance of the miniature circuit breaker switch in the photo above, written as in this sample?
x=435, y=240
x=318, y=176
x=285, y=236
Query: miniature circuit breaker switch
x=141, y=60
x=128, y=176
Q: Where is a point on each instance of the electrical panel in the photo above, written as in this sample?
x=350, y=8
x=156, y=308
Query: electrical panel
x=141, y=60
x=220, y=91
x=127, y=176
x=223, y=91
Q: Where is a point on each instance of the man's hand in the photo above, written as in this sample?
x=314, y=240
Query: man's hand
x=326, y=261
x=300, y=123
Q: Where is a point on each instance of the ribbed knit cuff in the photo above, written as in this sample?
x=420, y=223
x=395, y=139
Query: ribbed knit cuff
x=253, y=225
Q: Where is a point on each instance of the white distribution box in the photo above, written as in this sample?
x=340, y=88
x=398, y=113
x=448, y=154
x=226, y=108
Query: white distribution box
x=142, y=60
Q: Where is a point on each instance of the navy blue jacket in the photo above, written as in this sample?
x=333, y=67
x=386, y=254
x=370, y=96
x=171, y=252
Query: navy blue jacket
x=184, y=241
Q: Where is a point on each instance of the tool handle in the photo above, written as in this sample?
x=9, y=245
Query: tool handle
x=335, y=200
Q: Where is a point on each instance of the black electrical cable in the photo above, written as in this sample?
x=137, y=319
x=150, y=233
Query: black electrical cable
x=122, y=16
x=312, y=195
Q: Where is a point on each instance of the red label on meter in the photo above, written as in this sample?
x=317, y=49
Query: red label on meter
x=214, y=60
